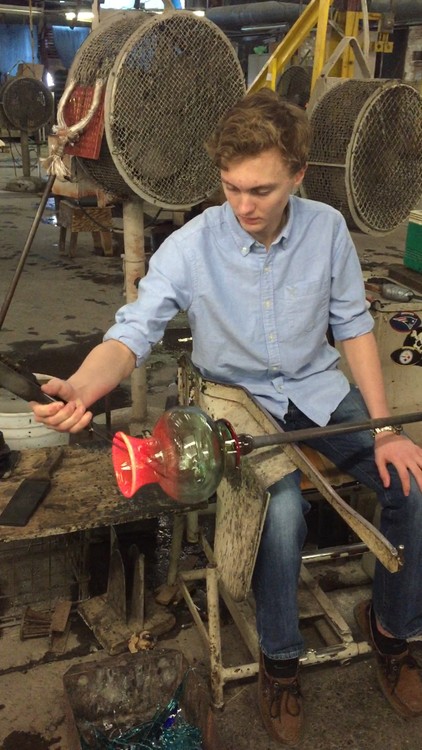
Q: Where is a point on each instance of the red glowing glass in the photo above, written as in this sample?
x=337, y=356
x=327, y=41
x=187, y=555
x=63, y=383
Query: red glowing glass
x=187, y=454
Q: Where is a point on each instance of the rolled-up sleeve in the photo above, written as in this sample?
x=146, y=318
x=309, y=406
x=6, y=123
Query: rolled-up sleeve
x=162, y=293
x=349, y=313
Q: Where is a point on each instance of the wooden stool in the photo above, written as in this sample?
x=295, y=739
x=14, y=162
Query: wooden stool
x=87, y=219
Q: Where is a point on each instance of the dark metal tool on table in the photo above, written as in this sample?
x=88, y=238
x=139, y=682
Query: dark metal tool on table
x=30, y=492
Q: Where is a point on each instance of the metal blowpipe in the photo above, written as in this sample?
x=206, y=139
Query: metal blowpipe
x=249, y=443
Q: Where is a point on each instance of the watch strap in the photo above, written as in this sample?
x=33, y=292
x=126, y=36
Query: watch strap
x=397, y=429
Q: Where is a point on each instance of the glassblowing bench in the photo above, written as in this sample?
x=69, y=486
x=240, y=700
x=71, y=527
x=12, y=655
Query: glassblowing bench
x=39, y=562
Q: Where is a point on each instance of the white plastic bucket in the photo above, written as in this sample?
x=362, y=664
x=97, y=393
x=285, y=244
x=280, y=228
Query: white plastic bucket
x=18, y=425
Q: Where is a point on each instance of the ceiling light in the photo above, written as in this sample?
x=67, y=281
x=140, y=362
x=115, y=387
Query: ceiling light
x=83, y=15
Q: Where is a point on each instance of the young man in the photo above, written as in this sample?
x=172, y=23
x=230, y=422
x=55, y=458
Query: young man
x=262, y=278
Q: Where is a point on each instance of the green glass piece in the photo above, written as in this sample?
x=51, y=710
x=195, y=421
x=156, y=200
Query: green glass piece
x=192, y=450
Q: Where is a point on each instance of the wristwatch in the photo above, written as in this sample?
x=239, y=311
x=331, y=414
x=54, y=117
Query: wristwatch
x=396, y=428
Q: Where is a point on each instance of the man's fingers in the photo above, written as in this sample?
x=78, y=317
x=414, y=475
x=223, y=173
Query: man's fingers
x=83, y=423
x=405, y=480
x=384, y=473
x=404, y=455
x=45, y=411
x=69, y=417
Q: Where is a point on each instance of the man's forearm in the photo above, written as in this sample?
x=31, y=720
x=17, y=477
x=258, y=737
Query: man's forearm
x=102, y=370
x=364, y=362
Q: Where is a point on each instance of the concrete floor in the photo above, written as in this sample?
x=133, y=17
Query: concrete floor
x=60, y=308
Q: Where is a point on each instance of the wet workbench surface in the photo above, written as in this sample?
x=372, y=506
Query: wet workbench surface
x=83, y=495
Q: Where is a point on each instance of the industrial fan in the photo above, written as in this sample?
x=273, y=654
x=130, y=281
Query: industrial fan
x=366, y=157
x=294, y=84
x=27, y=105
x=158, y=83
x=168, y=78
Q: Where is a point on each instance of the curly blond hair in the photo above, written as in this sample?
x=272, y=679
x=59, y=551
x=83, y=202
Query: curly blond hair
x=258, y=122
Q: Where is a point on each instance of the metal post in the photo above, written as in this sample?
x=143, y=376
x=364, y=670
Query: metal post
x=134, y=267
x=26, y=249
x=320, y=40
x=175, y=548
x=26, y=166
x=216, y=665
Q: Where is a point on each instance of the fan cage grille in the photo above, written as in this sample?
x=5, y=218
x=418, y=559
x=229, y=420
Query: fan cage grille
x=97, y=55
x=175, y=79
x=294, y=84
x=94, y=61
x=103, y=172
x=366, y=159
x=386, y=164
x=27, y=103
x=169, y=79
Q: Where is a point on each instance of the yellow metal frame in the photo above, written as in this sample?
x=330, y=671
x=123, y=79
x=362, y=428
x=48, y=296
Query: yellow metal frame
x=348, y=25
x=315, y=14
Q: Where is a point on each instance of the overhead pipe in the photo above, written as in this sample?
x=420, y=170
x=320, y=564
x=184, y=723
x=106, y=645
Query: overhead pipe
x=406, y=12
x=234, y=17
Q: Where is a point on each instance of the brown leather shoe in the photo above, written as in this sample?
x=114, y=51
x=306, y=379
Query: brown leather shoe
x=280, y=704
x=399, y=676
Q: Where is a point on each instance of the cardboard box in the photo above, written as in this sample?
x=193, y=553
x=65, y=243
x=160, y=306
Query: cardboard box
x=30, y=70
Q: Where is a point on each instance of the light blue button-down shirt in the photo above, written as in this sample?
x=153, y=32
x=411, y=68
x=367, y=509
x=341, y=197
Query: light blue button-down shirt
x=259, y=319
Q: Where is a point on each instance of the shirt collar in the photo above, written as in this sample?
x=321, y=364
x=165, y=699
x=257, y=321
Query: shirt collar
x=243, y=239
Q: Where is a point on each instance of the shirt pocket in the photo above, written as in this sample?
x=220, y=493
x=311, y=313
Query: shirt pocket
x=305, y=309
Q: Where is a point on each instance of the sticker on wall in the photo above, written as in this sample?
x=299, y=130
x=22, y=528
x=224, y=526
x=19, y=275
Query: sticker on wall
x=410, y=353
x=405, y=321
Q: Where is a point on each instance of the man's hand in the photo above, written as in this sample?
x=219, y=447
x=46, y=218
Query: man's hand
x=403, y=454
x=101, y=371
x=67, y=414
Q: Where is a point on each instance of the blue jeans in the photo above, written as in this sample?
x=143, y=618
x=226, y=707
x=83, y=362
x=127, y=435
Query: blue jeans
x=397, y=597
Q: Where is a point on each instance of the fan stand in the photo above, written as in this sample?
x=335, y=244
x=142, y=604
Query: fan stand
x=26, y=163
x=32, y=184
x=134, y=269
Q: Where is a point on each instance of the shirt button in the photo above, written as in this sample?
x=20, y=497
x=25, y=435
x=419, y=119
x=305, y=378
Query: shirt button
x=244, y=250
x=267, y=303
x=271, y=337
